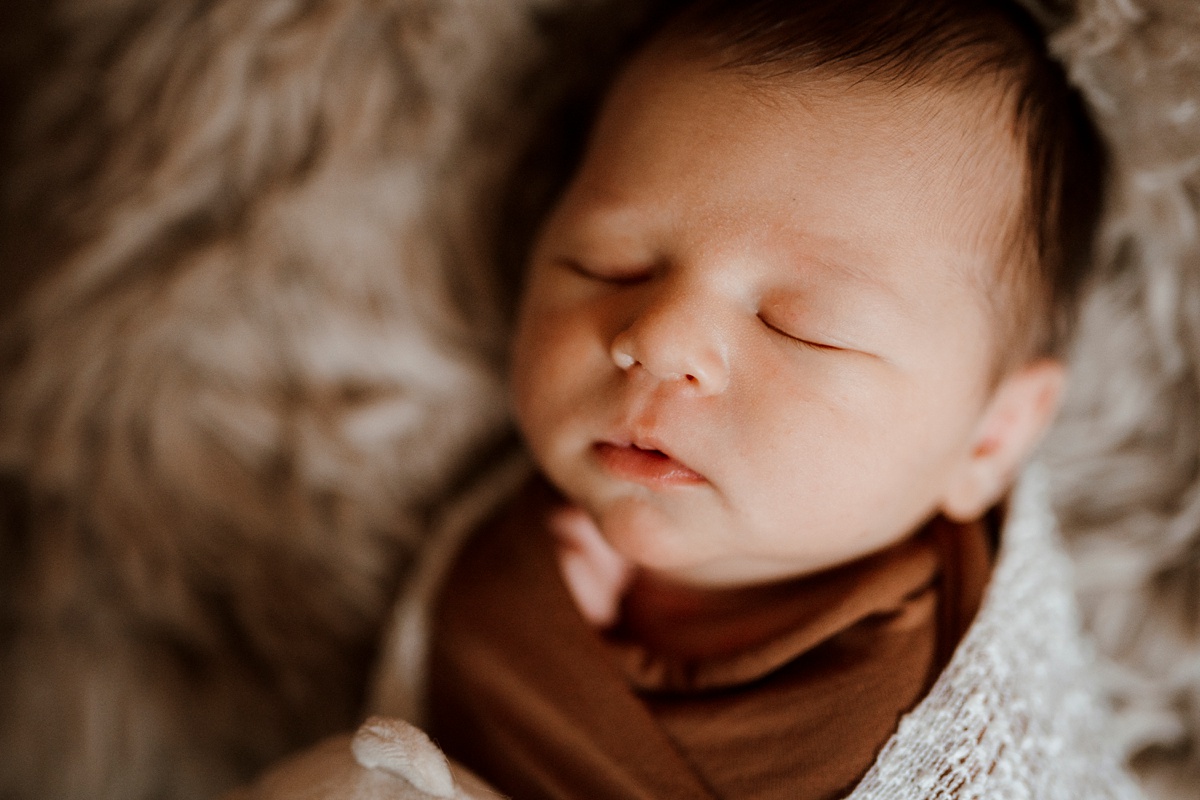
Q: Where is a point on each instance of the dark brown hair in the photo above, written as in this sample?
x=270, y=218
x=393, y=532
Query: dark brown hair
x=939, y=42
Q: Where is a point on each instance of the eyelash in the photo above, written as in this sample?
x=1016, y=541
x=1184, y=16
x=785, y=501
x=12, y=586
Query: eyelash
x=617, y=280
x=630, y=280
x=798, y=342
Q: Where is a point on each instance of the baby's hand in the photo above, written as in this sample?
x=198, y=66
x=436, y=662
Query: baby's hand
x=386, y=759
x=596, y=575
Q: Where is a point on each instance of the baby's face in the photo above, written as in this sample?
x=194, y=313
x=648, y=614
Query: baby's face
x=755, y=340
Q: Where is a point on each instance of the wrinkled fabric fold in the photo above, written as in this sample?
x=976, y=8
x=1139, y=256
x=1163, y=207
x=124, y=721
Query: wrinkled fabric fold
x=523, y=692
x=526, y=693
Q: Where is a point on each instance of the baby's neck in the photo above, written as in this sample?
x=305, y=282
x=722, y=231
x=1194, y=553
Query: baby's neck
x=687, y=621
x=665, y=615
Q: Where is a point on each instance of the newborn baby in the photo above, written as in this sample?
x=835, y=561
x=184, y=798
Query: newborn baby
x=786, y=339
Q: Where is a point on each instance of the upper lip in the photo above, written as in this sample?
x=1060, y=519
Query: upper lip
x=637, y=425
x=641, y=441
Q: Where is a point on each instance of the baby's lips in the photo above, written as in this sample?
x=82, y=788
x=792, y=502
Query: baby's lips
x=644, y=463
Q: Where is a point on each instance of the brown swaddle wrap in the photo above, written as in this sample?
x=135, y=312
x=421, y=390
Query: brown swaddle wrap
x=526, y=693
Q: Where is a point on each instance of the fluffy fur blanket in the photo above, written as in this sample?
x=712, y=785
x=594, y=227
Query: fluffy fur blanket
x=258, y=260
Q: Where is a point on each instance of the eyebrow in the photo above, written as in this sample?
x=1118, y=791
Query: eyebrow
x=852, y=267
x=857, y=265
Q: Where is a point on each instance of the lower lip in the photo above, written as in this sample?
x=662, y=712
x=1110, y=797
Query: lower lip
x=644, y=466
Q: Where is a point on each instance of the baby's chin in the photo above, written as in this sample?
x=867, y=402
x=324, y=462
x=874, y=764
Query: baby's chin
x=699, y=552
x=651, y=537
x=663, y=539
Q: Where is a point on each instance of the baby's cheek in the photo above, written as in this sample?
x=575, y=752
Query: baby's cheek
x=550, y=375
x=560, y=347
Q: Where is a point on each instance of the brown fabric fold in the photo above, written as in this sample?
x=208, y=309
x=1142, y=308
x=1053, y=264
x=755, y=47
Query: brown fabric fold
x=523, y=691
x=801, y=712
x=726, y=638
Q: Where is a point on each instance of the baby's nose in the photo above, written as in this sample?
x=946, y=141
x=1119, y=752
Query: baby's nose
x=674, y=340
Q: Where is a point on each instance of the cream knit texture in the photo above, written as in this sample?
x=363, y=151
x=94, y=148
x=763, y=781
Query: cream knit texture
x=1017, y=712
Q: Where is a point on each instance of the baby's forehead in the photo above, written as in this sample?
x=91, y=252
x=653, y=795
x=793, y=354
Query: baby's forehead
x=939, y=164
x=992, y=120
x=958, y=138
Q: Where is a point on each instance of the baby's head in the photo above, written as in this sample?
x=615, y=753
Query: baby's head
x=809, y=285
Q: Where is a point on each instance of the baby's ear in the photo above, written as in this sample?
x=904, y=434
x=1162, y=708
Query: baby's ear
x=1014, y=421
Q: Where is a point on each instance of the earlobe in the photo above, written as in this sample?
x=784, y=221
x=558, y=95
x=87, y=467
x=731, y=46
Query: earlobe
x=1013, y=423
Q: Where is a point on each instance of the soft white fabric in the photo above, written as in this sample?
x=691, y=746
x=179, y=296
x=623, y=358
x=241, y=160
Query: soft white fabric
x=387, y=759
x=1016, y=714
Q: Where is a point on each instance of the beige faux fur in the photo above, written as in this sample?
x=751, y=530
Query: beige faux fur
x=251, y=352
x=259, y=260
x=1126, y=452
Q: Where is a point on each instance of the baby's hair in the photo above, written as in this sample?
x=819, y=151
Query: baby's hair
x=949, y=43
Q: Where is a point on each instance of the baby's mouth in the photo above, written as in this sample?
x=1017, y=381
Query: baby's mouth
x=645, y=465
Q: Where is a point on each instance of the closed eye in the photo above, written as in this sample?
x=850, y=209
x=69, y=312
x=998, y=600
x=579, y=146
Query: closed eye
x=800, y=342
x=618, y=277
